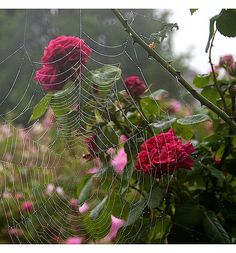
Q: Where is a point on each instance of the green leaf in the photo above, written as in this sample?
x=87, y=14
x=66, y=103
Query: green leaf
x=217, y=174
x=226, y=21
x=192, y=11
x=159, y=93
x=150, y=107
x=97, y=210
x=193, y=119
x=86, y=191
x=164, y=124
x=160, y=230
x=41, y=107
x=156, y=197
x=185, y=131
x=136, y=212
x=97, y=228
x=105, y=75
x=211, y=94
x=214, y=229
x=201, y=81
x=189, y=214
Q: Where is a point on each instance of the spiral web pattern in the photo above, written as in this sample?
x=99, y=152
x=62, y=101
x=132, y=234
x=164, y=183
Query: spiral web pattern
x=39, y=165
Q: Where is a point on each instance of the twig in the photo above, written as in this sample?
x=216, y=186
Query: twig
x=214, y=75
x=173, y=72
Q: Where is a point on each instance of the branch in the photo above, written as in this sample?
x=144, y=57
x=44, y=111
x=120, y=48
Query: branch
x=173, y=72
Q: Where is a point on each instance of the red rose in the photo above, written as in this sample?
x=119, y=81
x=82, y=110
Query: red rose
x=164, y=154
x=50, y=78
x=65, y=52
x=62, y=60
x=135, y=86
x=226, y=61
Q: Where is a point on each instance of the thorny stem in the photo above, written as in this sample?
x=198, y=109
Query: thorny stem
x=214, y=75
x=173, y=72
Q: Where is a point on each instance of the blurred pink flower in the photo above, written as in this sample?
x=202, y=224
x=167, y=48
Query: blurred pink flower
x=97, y=166
x=119, y=161
x=174, y=107
x=60, y=190
x=19, y=195
x=50, y=189
x=15, y=232
x=27, y=206
x=73, y=240
x=74, y=203
x=123, y=138
x=84, y=208
x=116, y=225
x=110, y=151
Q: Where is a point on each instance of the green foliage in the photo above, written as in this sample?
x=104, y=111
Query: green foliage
x=136, y=211
x=214, y=229
x=41, y=107
x=201, y=81
x=84, y=194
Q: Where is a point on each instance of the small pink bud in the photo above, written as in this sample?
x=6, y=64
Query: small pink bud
x=84, y=208
x=19, y=195
x=123, y=138
x=74, y=203
x=27, y=206
x=73, y=240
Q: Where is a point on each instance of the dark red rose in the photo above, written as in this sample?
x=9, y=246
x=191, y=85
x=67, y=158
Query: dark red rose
x=164, y=154
x=91, y=144
x=50, y=78
x=135, y=86
x=66, y=52
x=226, y=61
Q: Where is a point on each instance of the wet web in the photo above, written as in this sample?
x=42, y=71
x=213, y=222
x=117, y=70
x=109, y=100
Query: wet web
x=37, y=167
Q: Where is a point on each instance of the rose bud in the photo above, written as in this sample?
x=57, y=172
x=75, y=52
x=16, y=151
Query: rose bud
x=135, y=86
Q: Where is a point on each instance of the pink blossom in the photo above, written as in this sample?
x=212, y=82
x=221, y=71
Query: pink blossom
x=60, y=190
x=74, y=203
x=84, y=208
x=97, y=166
x=50, y=189
x=119, y=161
x=93, y=170
x=15, y=232
x=73, y=240
x=174, y=107
x=116, y=225
x=27, y=206
x=19, y=195
x=123, y=138
x=110, y=151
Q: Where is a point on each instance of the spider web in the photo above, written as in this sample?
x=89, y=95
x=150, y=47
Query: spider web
x=53, y=219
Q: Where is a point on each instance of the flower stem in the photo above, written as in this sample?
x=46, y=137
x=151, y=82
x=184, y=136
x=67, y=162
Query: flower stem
x=214, y=75
x=204, y=101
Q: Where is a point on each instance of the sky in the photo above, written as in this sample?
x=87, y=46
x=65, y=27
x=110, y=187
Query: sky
x=193, y=35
